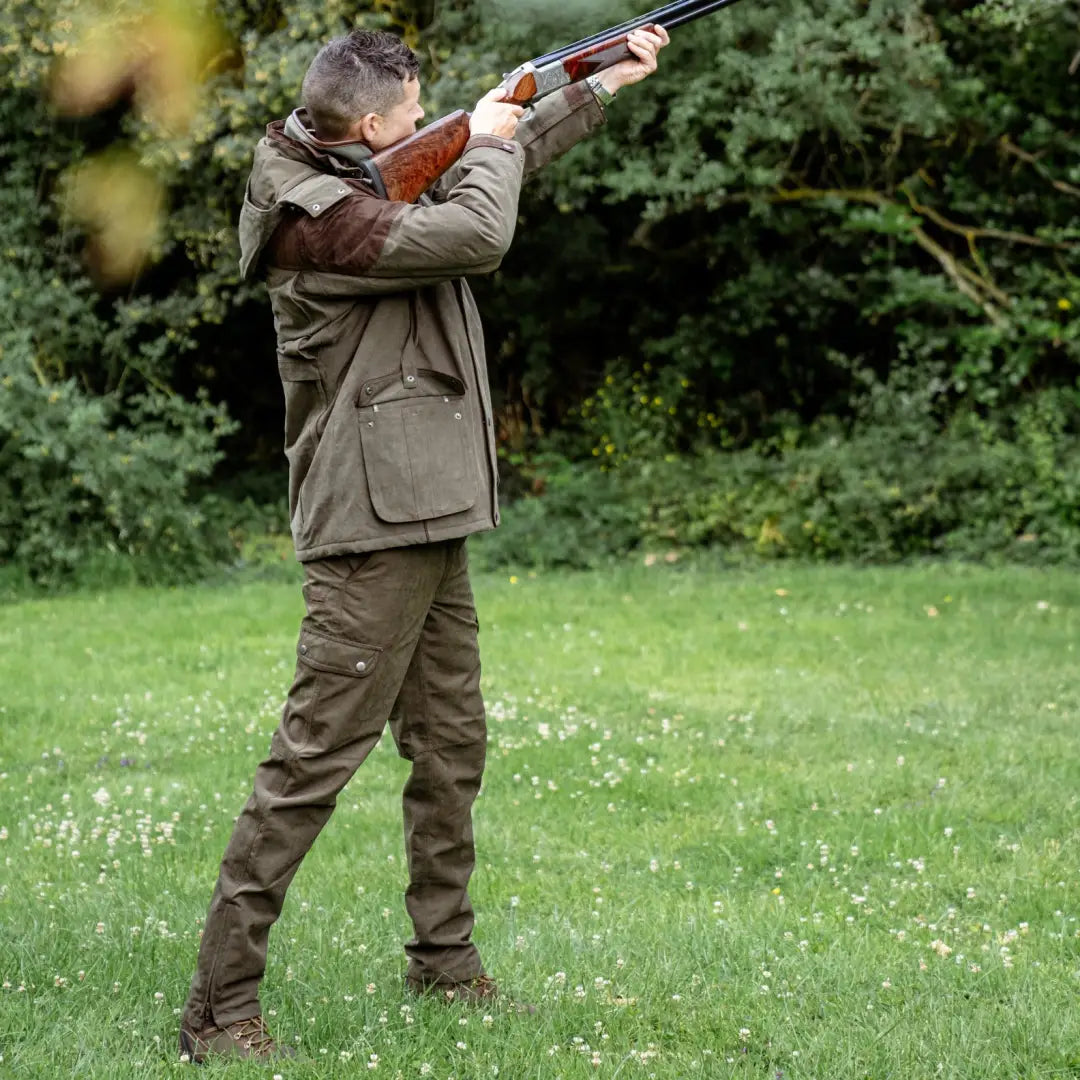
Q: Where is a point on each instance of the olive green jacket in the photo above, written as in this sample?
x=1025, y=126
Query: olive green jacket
x=388, y=423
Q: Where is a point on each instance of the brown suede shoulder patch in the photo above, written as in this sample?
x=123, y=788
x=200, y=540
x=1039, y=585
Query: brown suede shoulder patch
x=348, y=238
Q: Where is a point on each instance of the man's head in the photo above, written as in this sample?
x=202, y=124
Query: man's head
x=363, y=88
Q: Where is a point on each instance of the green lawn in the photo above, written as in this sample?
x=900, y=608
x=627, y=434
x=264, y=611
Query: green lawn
x=787, y=822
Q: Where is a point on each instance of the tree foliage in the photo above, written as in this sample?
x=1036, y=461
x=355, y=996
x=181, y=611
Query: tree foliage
x=808, y=192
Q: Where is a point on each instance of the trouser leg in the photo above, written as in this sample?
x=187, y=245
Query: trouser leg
x=364, y=617
x=439, y=725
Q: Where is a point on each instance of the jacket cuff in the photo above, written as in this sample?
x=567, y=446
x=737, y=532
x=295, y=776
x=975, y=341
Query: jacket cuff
x=579, y=95
x=493, y=141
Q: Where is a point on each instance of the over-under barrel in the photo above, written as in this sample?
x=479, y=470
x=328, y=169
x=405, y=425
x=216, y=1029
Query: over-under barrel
x=537, y=78
x=669, y=16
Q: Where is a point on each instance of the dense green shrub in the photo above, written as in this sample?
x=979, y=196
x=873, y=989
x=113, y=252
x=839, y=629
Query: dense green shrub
x=99, y=459
x=81, y=478
x=896, y=485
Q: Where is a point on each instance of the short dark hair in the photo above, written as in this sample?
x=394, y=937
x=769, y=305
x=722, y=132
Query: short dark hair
x=354, y=75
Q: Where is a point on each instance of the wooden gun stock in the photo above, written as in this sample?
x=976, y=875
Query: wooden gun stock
x=408, y=168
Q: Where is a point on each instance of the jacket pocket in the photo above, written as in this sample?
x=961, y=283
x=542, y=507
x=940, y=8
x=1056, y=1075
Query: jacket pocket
x=305, y=398
x=418, y=457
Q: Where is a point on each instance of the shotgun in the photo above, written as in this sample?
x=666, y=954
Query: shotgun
x=404, y=171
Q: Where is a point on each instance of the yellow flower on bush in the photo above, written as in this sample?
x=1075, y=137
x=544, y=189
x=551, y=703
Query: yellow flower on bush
x=1065, y=305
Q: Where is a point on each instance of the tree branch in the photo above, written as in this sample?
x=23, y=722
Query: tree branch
x=1031, y=159
x=971, y=232
x=976, y=287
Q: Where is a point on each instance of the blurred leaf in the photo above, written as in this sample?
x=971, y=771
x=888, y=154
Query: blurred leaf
x=154, y=51
x=120, y=204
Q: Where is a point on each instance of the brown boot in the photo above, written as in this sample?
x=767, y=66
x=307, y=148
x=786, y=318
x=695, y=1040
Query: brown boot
x=244, y=1039
x=479, y=991
x=470, y=992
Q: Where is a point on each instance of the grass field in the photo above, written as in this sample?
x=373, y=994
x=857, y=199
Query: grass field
x=788, y=822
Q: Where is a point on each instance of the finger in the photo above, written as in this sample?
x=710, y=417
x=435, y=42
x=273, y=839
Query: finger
x=650, y=41
x=645, y=55
x=495, y=94
x=647, y=42
x=663, y=35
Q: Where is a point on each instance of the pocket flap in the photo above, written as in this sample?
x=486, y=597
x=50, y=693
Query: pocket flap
x=425, y=382
x=298, y=370
x=332, y=654
x=316, y=194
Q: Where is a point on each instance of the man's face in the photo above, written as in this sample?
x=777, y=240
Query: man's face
x=400, y=121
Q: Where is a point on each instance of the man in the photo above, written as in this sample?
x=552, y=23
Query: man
x=392, y=463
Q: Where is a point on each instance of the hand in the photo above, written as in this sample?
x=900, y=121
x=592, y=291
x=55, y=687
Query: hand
x=644, y=44
x=493, y=116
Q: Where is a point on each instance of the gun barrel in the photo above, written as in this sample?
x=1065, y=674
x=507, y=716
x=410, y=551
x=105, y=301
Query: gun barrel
x=670, y=15
x=685, y=17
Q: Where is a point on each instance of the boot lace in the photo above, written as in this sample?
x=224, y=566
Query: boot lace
x=253, y=1034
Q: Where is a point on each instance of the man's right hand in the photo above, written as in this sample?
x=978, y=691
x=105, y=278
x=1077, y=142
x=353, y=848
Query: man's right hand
x=493, y=116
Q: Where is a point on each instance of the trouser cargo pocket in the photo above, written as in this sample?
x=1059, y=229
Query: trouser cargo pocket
x=326, y=694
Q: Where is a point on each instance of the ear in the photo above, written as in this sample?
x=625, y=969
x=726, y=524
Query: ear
x=368, y=127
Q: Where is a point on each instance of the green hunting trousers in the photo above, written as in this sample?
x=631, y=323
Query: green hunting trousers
x=388, y=636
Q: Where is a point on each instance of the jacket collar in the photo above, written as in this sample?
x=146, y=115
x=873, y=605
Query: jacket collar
x=295, y=137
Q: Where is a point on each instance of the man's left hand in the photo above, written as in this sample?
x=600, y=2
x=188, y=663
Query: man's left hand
x=644, y=44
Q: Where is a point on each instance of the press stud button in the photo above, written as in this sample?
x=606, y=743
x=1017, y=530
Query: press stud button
x=361, y=666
